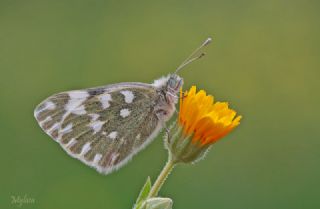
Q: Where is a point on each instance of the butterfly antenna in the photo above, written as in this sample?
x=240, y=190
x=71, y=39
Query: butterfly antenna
x=196, y=54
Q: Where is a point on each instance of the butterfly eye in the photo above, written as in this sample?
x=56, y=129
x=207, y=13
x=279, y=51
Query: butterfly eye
x=172, y=83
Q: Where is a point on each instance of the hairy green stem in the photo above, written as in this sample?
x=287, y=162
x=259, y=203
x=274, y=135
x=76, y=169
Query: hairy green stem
x=161, y=178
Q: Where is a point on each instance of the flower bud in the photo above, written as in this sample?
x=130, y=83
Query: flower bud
x=157, y=203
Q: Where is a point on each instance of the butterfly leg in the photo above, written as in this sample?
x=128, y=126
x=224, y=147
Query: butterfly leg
x=160, y=114
x=167, y=131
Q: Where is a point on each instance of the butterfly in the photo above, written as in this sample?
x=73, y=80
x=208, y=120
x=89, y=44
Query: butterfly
x=105, y=126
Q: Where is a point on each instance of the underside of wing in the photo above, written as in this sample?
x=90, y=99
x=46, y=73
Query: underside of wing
x=103, y=127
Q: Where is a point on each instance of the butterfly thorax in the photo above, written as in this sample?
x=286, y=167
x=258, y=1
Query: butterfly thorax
x=168, y=89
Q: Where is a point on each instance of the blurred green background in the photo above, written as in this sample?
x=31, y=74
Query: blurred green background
x=264, y=60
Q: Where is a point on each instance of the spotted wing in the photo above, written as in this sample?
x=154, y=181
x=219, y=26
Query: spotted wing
x=103, y=127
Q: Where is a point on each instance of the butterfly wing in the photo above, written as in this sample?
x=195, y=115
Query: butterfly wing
x=104, y=126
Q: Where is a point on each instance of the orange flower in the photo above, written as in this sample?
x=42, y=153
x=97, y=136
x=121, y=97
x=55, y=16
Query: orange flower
x=205, y=120
x=201, y=123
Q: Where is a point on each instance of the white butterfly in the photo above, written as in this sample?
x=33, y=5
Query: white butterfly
x=105, y=126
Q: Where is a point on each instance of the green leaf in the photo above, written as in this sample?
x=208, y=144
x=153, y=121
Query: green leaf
x=143, y=193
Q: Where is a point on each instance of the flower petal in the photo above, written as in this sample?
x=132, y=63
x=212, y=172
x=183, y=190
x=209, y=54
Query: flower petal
x=205, y=120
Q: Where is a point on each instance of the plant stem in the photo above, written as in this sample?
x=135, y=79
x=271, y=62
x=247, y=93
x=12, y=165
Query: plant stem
x=161, y=178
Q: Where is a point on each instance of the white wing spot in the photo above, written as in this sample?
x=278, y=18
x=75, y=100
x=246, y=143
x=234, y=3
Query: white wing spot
x=53, y=128
x=97, y=158
x=128, y=96
x=105, y=99
x=94, y=116
x=122, y=141
x=76, y=99
x=47, y=106
x=71, y=143
x=96, y=126
x=125, y=112
x=79, y=110
x=45, y=120
x=104, y=133
x=78, y=94
x=66, y=129
x=113, y=135
x=86, y=147
x=113, y=157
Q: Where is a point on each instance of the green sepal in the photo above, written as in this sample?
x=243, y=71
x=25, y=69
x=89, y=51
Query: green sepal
x=181, y=147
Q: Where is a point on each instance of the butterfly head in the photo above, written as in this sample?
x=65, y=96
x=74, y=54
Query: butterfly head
x=174, y=84
x=172, y=87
